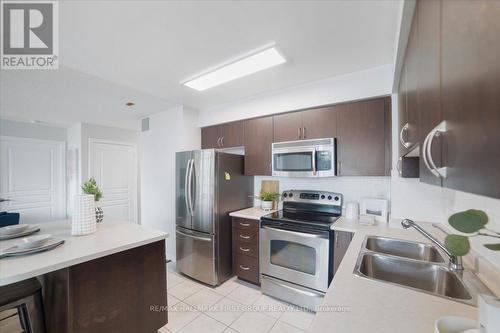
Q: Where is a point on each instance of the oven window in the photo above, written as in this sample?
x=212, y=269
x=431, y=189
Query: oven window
x=293, y=161
x=294, y=256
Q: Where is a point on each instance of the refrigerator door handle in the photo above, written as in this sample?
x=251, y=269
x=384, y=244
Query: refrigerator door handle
x=189, y=186
x=204, y=239
x=191, y=199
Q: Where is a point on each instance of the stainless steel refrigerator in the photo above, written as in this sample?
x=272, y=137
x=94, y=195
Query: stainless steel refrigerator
x=209, y=185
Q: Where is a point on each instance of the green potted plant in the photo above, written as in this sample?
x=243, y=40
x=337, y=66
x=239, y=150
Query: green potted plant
x=471, y=223
x=90, y=187
x=267, y=199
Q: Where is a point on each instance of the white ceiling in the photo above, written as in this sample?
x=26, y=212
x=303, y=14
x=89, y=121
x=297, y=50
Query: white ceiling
x=151, y=46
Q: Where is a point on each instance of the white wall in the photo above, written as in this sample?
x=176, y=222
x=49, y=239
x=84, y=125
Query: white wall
x=352, y=188
x=368, y=83
x=33, y=131
x=169, y=132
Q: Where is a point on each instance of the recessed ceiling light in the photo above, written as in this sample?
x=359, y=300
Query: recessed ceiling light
x=130, y=104
x=256, y=62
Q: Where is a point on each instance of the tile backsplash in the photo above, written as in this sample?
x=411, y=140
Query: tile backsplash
x=353, y=188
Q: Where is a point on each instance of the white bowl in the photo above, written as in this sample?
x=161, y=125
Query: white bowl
x=33, y=242
x=454, y=324
x=13, y=229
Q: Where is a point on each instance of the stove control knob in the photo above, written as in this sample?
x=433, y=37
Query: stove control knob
x=322, y=196
x=336, y=198
x=285, y=195
x=290, y=195
x=329, y=197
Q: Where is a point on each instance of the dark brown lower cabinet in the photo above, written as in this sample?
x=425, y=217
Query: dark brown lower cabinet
x=123, y=292
x=246, y=249
x=341, y=240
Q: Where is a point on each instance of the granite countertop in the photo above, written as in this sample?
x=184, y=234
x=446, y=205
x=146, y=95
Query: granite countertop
x=252, y=213
x=111, y=237
x=374, y=306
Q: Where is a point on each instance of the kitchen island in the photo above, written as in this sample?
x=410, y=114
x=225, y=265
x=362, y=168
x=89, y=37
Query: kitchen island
x=113, y=280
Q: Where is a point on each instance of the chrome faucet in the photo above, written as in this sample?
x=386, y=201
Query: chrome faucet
x=455, y=262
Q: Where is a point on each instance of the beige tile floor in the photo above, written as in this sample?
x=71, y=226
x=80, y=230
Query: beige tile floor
x=235, y=306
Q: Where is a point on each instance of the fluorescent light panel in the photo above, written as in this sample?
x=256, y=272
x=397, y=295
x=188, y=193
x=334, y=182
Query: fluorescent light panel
x=246, y=66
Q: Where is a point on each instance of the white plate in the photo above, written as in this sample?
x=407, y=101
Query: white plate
x=454, y=324
x=13, y=229
x=33, y=241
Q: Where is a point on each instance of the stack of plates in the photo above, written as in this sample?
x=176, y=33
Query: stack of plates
x=17, y=230
x=29, y=245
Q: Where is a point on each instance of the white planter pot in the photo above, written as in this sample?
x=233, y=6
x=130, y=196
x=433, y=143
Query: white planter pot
x=266, y=205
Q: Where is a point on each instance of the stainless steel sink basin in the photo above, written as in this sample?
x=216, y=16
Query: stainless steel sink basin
x=405, y=249
x=423, y=276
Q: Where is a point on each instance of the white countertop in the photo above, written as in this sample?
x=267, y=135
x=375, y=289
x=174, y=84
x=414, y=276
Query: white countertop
x=111, y=237
x=376, y=306
x=252, y=213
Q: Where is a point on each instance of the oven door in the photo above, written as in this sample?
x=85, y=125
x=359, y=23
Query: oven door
x=295, y=256
x=294, y=162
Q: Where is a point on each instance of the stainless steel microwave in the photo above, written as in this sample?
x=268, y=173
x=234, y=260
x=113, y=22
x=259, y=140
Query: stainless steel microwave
x=305, y=158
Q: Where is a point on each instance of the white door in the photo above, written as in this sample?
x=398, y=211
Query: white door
x=114, y=167
x=32, y=177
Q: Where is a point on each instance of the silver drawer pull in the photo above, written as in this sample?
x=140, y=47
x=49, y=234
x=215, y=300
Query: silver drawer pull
x=244, y=237
x=244, y=268
x=245, y=224
x=244, y=250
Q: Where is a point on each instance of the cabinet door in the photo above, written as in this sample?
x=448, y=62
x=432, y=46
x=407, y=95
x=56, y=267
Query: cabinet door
x=470, y=95
x=342, y=239
x=411, y=134
x=210, y=137
x=232, y=134
x=319, y=123
x=287, y=127
x=361, y=138
x=258, y=140
x=429, y=81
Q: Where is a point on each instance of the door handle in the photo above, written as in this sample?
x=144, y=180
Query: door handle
x=401, y=139
x=398, y=166
x=203, y=239
x=245, y=224
x=301, y=234
x=244, y=237
x=427, y=150
x=222, y=141
x=303, y=132
x=244, y=249
x=299, y=132
x=314, y=162
x=190, y=184
x=244, y=268
x=186, y=186
x=218, y=142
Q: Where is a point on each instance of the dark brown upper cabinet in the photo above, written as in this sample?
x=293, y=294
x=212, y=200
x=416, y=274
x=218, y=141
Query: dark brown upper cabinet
x=223, y=136
x=258, y=141
x=470, y=86
x=361, y=144
x=307, y=124
x=210, y=137
x=427, y=16
x=410, y=133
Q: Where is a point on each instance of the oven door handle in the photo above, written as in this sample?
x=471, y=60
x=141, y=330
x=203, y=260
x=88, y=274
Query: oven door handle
x=297, y=233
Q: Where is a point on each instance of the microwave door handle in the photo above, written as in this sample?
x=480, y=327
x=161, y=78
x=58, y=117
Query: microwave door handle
x=314, y=162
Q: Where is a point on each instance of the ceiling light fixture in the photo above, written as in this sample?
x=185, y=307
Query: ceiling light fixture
x=247, y=65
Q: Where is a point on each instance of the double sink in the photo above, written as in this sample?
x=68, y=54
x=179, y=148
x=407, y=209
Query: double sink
x=417, y=266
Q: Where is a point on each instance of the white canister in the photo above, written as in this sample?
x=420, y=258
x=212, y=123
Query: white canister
x=352, y=210
x=83, y=220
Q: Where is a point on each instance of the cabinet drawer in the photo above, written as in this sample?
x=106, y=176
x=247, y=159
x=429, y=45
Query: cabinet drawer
x=246, y=224
x=247, y=268
x=246, y=249
x=245, y=236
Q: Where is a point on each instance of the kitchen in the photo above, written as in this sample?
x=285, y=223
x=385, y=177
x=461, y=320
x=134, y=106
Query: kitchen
x=332, y=190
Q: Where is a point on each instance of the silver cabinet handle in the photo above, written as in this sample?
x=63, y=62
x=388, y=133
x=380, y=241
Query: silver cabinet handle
x=339, y=164
x=245, y=224
x=336, y=240
x=401, y=139
x=441, y=128
x=244, y=237
x=245, y=268
x=218, y=142
x=222, y=142
x=303, y=132
x=398, y=166
x=244, y=249
x=299, y=132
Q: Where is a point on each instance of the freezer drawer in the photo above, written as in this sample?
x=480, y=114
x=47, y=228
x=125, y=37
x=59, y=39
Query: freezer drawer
x=195, y=253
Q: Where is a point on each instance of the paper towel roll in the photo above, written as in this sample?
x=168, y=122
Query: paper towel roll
x=83, y=220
